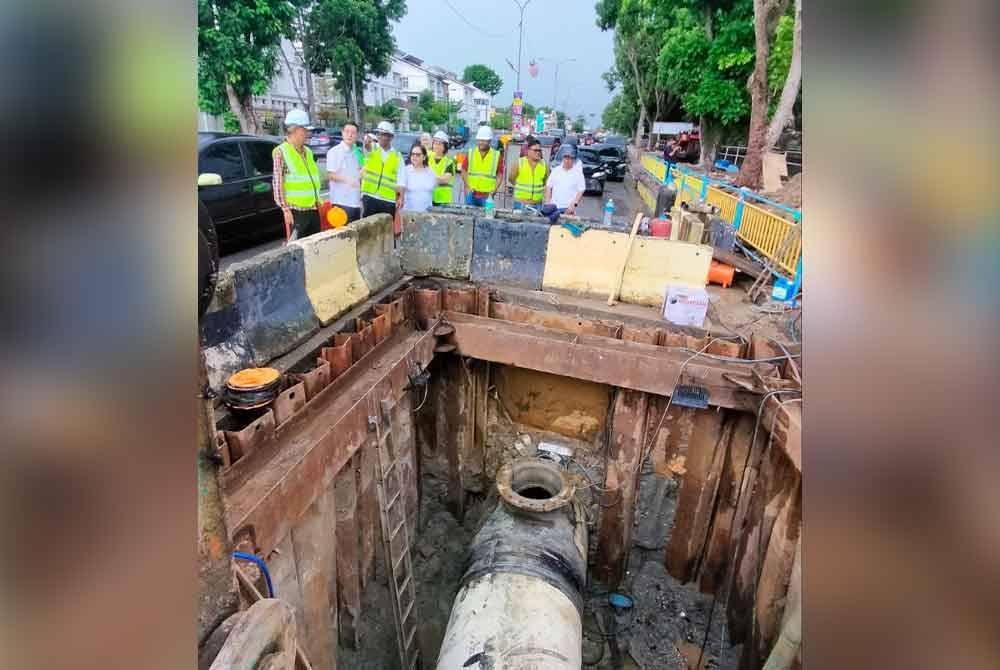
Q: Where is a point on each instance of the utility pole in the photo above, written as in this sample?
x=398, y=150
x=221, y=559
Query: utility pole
x=520, y=38
x=555, y=85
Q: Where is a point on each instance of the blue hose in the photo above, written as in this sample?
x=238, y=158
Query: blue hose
x=261, y=565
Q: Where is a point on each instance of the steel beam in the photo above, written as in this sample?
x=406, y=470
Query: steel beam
x=631, y=365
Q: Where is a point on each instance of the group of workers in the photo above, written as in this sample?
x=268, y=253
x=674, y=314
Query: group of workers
x=378, y=179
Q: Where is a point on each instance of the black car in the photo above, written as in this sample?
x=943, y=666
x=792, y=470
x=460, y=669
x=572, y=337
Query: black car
x=242, y=206
x=614, y=159
x=593, y=170
x=322, y=139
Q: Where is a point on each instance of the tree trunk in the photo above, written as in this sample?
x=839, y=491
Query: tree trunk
x=790, y=92
x=710, y=135
x=243, y=111
x=751, y=174
x=640, y=126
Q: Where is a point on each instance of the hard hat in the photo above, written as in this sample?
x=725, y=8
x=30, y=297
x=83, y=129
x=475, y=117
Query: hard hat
x=440, y=135
x=484, y=133
x=296, y=117
x=385, y=127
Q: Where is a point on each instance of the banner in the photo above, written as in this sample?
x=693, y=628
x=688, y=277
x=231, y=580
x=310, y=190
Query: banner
x=516, y=111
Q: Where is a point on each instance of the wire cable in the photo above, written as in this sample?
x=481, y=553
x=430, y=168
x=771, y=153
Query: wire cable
x=474, y=26
x=260, y=564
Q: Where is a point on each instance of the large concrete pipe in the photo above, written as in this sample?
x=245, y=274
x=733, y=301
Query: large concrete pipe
x=520, y=602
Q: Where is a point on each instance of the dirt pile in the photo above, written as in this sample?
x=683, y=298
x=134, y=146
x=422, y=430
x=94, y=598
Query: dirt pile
x=790, y=192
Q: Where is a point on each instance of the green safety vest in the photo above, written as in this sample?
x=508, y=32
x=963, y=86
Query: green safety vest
x=302, y=181
x=483, y=170
x=442, y=192
x=379, y=180
x=530, y=184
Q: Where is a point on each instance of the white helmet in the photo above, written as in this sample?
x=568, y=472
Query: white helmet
x=440, y=135
x=385, y=127
x=296, y=117
x=484, y=133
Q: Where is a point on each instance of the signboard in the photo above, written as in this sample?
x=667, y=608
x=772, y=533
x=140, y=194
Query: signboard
x=671, y=127
x=516, y=110
x=539, y=122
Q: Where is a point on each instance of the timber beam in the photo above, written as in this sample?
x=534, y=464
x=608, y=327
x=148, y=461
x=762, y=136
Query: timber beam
x=308, y=450
x=631, y=365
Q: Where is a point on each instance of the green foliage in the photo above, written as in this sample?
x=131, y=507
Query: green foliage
x=389, y=111
x=230, y=123
x=781, y=54
x=579, y=123
x=621, y=115
x=332, y=116
x=346, y=36
x=502, y=119
x=560, y=118
x=485, y=78
x=238, y=44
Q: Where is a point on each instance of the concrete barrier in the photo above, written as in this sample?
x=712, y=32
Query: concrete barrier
x=333, y=279
x=587, y=265
x=435, y=243
x=378, y=260
x=509, y=252
x=223, y=340
x=274, y=309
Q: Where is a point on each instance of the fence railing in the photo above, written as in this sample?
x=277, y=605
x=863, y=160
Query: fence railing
x=762, y=229
x=736, y=154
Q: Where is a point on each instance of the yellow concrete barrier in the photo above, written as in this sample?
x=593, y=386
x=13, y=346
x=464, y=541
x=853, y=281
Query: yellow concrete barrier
x=333, y=279
x=587, y=265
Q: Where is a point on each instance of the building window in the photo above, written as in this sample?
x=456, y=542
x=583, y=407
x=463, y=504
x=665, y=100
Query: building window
x=405, y=82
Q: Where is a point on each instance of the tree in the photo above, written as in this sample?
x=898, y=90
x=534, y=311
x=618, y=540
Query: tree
x=766, y=14
x=621, y=114
x=238, y=51
x=390, y=111
x=579, y=123
x=785, y=65
x=353, y=40
x=485, y=79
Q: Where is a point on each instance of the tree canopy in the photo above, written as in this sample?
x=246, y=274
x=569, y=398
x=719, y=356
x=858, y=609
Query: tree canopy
x=238, y=51
x=485, y=78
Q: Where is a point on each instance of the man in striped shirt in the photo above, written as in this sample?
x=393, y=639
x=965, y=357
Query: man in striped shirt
x=296, y=178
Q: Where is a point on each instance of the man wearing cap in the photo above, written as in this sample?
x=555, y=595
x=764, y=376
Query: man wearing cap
x=565, y=186
x=481, y=169
x=380, y=175
x=296, y=179
x=443, y=167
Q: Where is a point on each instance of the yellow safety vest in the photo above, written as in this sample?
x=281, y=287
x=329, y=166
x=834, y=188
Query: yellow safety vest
x=483, y=170
x=442, y=192
x=302, y=181
x=530, y=184
x=379, y=180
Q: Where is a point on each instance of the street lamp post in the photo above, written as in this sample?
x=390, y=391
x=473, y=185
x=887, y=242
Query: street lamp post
x=520, y=38
x=555, y=85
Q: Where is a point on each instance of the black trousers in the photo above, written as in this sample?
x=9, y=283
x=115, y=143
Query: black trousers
x=375, y=206
x=304, y=222
x=353, y=213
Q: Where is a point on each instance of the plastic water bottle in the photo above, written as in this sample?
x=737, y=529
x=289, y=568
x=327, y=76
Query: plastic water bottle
x=488, y=208
x=609, y=210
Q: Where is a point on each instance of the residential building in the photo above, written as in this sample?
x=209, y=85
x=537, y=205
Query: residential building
x=475, y=105
x=415, y=77
x=288, y=89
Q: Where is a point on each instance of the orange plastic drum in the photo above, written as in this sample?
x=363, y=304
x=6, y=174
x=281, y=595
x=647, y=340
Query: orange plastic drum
x=720, y=273
x=253, y=378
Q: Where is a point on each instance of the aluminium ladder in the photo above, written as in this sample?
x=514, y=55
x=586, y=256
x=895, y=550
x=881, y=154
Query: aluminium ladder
x=395, y=537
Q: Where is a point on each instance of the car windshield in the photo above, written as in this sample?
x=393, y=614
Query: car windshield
x=616, y=140
x=546, y=140
x=588, y=156
x=610, y=152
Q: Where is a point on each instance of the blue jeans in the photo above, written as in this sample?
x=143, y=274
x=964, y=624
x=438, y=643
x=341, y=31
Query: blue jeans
x=474, y=201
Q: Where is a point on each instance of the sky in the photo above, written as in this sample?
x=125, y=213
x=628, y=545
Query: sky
x=553, y=29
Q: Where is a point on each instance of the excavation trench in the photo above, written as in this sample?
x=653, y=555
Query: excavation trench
x=682, y=523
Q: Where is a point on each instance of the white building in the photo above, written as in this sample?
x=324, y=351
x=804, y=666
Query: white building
x=415, y=77
x=475, y=105
x=288, y=89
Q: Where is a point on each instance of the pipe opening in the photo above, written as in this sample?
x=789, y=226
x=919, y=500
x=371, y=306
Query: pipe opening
x=535, y=492
x=534, y=485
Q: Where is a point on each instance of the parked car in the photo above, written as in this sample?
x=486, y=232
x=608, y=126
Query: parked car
x=614, y=159
x=240, y=201
x=546, y=140
x=593, y=171
x=322, y=139
x=616, y=140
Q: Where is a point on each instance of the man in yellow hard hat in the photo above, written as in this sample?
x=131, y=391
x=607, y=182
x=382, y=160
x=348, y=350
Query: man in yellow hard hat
x=481, y=168
x=296, y=179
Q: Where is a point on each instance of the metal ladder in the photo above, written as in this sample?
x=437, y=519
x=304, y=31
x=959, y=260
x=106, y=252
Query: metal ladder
x=395, y=538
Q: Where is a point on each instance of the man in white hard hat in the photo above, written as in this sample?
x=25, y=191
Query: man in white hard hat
x=442, y=166
x=380, y=175
x=296, y=178
x=481, y=168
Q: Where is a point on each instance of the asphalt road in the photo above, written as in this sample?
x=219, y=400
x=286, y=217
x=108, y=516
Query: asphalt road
x=592, y=207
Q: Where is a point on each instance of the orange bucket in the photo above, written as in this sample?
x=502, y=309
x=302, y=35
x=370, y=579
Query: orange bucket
x=720, y=273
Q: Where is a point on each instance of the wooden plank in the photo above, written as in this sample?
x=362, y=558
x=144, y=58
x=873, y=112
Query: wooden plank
x=631, y=365
x=569, y=323
x=347, y=564
x=314, y=547
x=741, y=263
x=628, y=426
x=406, y=443
x=285, y=578
x=481, y=384
x=705, y=450
x=452, y=396
x=368, y=516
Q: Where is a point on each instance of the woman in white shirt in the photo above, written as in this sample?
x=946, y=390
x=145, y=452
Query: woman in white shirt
x=417, y=181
